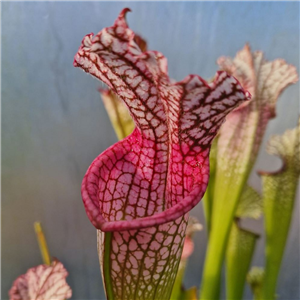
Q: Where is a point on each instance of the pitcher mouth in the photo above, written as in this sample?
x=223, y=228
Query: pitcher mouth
x=89, y=195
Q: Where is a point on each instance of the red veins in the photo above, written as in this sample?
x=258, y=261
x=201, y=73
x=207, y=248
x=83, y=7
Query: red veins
x=42, y=283
x=161, y=170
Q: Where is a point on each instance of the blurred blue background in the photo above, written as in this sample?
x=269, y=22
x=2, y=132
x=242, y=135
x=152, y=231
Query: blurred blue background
x=54, y=123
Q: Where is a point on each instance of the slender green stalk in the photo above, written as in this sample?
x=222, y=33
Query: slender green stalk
x=42, y=243
x=279, y=192
x=238, y=258
x=278, y=206
x=211, y=281
x=223, y=214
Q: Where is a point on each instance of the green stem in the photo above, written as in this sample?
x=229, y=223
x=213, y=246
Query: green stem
x=257, y=294
x=238, y=258
x=42, y=243
x=278, y=207
x=226, y=197
x=210, y=289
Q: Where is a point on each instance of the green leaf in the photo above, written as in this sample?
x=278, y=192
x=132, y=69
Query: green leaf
x=250, y=204
x=255, y=279
x=239, y=254
x=279, y=191
x=238, y=144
